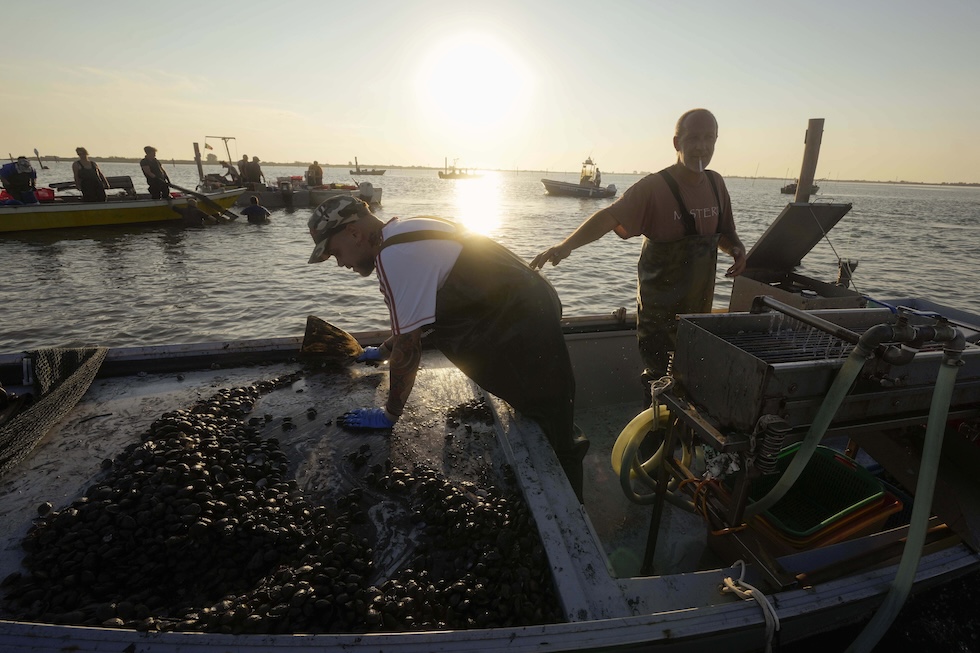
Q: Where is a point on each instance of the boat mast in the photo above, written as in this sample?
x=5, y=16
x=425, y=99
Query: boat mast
x=227, y=151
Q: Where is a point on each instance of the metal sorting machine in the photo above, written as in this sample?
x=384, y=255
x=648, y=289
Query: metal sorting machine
x=770, y=262
x=750, y=384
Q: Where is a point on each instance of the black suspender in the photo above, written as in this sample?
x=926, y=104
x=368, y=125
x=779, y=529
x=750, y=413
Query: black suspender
x=690, y=227
x=421, y=234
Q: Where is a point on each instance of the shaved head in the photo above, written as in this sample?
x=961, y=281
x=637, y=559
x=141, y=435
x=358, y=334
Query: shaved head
x=679, y=128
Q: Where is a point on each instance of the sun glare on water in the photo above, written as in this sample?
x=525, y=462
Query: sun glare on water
x=472, y=85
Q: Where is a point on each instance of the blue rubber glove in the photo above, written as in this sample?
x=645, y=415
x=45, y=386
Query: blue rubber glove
x=366, y=418
x=371, y=354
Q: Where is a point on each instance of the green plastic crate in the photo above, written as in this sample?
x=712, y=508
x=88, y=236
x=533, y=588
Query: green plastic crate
x=831, y=487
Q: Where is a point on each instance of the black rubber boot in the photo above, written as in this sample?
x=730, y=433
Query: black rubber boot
x=571, y=462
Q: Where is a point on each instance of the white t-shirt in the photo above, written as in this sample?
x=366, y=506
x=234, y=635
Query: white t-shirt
x=410, y=274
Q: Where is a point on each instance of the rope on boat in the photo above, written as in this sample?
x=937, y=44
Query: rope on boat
x=747, y=592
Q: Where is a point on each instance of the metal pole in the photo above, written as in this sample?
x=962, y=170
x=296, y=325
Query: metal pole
x=197, y=159
x=814, y=135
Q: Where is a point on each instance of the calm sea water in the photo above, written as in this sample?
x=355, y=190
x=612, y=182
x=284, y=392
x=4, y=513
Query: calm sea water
x=155, y=285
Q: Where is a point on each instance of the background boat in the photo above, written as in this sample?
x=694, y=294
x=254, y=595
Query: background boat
x=790, y=189
x=128, y=208
x=292, y=193
x=456, y=173
x=589, y=184
x=358, y=170
x=568, y=189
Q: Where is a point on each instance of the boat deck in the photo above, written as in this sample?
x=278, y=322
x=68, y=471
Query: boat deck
x=594, y=552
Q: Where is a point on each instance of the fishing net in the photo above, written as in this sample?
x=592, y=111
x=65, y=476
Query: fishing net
x=61, y=377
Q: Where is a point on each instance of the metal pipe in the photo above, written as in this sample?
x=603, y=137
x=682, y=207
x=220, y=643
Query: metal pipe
x=811, y=151
x=197, y=160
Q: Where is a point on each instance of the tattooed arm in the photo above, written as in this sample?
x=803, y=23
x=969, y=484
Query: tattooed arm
x=403, y=366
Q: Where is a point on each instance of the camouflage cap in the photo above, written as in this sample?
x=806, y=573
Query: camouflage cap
x=327, y=219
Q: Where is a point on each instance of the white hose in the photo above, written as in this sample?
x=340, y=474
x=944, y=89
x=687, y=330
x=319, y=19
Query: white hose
x=747, y=592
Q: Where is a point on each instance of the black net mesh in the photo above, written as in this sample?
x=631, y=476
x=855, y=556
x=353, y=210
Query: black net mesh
x=61, y=376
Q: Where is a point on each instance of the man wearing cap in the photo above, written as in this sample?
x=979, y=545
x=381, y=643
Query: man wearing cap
x=255, y=170
x=19, y=179
x=487, y=311
x=157, y=179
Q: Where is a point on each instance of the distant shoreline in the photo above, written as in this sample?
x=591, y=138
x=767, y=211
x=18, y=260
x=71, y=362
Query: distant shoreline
x=120, y=159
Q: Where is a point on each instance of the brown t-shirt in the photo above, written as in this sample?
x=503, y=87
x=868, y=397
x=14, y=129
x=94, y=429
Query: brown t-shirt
x=649, y=208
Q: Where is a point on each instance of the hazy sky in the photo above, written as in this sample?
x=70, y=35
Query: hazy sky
x=531, y=84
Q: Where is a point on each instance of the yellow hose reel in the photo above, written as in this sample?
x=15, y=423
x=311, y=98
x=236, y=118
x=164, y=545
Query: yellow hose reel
x=627, y=465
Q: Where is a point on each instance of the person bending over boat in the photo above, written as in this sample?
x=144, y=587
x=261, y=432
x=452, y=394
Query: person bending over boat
x=191, y=215
x=88, y=177
x=231, y=174
x=19, y=179
x=157, y=180
x=481, y=305
x=684, y=214
x=255, y=212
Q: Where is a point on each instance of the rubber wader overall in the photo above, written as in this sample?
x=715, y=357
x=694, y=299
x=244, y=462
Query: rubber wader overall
x=673, y=278
x=498, y=321
x=90, y=183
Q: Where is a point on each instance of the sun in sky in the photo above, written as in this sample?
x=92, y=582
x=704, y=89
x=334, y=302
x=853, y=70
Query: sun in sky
x=473, y=85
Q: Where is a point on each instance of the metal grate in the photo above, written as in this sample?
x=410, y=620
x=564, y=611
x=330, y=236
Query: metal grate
x=791, y=345
x=797, y=345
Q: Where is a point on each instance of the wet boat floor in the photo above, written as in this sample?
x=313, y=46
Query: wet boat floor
x=327, y=461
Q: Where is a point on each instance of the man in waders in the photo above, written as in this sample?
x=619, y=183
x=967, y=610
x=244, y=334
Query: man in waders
x=488, y=312
x=685, y=215
x=157, y=179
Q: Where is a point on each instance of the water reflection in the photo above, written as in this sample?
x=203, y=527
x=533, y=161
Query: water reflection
x=164, y=284
x=477, y=203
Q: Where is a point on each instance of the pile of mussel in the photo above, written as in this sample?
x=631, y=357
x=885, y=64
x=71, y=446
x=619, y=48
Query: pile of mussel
x=198, y=528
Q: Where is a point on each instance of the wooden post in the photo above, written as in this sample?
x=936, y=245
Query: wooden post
x=814, y=135
x=197, y=159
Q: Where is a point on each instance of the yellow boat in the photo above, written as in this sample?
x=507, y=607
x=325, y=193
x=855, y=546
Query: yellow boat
x=69, y=212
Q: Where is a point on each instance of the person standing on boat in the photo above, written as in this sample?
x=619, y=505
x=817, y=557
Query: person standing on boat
x=88, y=177
x=244, y=169
x=314, y=174
x=255, y=212
x=255, y=171
x=684, y=214
x=157, y=180
x=496, y=319
x=19, y=179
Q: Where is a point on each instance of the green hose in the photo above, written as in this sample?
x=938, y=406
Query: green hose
x=835, y=396
x=918, y=525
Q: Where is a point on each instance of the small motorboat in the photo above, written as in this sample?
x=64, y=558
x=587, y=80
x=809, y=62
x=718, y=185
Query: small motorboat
x=589, y=185
x=457, y=173
x=358, y=170
x=790, y=188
